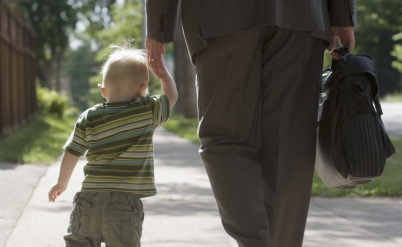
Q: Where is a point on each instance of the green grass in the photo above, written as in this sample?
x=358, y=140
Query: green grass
x=389, y=184
x=39, y=142
x=395, y=97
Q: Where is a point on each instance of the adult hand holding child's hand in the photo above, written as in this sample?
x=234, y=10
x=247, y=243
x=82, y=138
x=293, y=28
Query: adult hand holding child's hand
x=155, y=52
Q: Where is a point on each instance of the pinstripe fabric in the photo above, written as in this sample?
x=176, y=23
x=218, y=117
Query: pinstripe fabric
x=258, y=107
x=211, y=18
x=243, y=14
x=258, y=67
x=118, y=137
x=291, y=76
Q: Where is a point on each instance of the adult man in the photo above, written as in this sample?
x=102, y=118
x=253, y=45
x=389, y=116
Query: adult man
x=258, y=65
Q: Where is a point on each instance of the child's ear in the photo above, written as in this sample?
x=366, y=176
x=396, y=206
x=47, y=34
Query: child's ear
x=102, y=90
x=142, y=90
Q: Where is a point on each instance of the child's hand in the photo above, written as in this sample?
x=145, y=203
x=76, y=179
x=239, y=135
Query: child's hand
x=155, y=52
x=55, y=192
x=68, y=162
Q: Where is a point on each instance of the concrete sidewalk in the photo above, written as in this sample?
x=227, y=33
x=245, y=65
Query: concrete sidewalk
x=184, y=213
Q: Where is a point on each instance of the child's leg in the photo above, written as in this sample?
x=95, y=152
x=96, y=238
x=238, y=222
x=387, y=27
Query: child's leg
x=122, y=219
x=84, y=227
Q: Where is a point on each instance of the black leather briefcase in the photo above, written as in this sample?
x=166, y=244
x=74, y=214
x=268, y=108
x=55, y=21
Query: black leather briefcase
x=352, y=145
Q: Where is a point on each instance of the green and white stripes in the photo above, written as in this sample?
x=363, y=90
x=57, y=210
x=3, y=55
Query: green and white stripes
x=118, y=140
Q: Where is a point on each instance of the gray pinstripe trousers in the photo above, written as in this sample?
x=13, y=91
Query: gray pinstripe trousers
x=257, y=99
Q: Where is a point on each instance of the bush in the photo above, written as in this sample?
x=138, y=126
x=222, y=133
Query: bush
x=39, y=142
x=50, y=102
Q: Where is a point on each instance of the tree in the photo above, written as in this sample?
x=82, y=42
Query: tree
x=378, y=22
x=96, y=13
x=184, y=74
x=397, y=53
x=79, y=67
x=51, y=21
x=126, y=23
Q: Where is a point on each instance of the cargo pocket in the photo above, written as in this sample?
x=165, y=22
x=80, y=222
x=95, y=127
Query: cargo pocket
x=125, y=224
x=80, y=216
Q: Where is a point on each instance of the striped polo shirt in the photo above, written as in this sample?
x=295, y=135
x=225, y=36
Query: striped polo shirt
x=118, y=141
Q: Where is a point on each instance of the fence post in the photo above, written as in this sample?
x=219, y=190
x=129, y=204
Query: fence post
x=17, y=70
x=1, y=66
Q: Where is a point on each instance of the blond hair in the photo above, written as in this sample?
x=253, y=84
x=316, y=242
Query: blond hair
x=124, y=68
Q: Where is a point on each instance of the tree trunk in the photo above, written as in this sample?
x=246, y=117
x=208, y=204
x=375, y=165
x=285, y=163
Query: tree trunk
x=184, y=73
x=59, y=69
x=143, y=23
x=48, y=69
x=47, y=72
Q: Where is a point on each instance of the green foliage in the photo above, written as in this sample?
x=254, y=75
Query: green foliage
x=378, y=22
x=183, y=127
x=50, y=102
x=397, y=53
x=51, y=21
x=327, y=59
x=94, y=13
x=94, y=96
x=125, y=22
x=80, y=66
x=39, y=142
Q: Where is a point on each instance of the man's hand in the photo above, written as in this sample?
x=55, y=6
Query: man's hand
x=345, y=36
x=155, y=52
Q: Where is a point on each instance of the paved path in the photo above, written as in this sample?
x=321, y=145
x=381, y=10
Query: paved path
x=354, y=222
x=184, y=214
x=392, y=118
x=17, y=183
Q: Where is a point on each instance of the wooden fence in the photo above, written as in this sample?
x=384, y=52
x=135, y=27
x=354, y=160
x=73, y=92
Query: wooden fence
x=17, y=71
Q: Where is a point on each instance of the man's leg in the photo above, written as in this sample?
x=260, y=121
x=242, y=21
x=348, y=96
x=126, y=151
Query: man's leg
x=229, y=101
x=292, y=66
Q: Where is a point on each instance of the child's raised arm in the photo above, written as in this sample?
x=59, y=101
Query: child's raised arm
x=168, y=86
x=67, y=166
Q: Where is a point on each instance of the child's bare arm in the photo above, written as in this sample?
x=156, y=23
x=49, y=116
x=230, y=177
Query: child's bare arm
x=67, y=166
x=158, y=68
x=169, y=89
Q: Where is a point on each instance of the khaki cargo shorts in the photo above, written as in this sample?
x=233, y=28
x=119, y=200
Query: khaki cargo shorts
x=115, y=218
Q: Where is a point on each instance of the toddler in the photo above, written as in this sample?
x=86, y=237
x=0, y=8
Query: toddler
x=117, y=136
